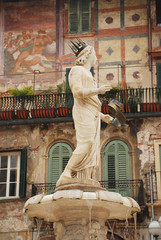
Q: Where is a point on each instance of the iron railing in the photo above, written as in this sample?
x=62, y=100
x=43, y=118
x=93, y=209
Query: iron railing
x=36, y=106
x=130, y=188
x=135, y=101
x=45, y=188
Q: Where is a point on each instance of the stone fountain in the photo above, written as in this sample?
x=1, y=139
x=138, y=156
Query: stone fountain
x=80, y=207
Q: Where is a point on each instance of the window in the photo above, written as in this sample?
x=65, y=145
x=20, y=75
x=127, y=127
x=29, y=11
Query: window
x=158, y=10
x=157, y=151
x=12, y=180
x=117, y=167
x=79, y=16
x=59, y=155
x=158, y=70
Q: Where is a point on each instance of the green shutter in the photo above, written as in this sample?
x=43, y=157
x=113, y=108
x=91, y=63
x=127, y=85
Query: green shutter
x=117, y=167
x=158, y=75
x=69, y=97
x=86, y=16
x=79, y=16
x=23, y=168
x=96, y=16
x=92, y=71
x=67, y=78
x=160, y=154
x=59, y=155
x=54, y=169
x=111, y=171
x=73, y=16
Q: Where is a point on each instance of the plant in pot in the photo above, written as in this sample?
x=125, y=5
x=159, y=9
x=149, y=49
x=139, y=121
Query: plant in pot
x=64, y=101
x=134, y=99
x=105, y=98
x=44, y=106
x=22, y=101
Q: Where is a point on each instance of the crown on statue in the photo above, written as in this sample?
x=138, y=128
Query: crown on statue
x=78, y=46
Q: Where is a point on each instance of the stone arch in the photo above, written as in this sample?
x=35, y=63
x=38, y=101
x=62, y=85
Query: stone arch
x=117, y=167
x=131, y=153
x=58, y=156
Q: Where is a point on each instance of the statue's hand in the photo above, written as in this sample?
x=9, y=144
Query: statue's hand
x=106, y=118
x=103, y=89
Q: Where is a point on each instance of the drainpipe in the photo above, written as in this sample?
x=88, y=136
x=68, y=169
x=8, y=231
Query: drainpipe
x=151, y=197
x=149, y=25
x=151, y=193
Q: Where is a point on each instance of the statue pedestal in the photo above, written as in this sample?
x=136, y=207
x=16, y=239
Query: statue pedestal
x=83, y=229
x=78, y=214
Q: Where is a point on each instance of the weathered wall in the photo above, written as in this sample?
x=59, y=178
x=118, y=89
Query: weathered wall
x=121, y=43
x=29, y=42
x=38, y=139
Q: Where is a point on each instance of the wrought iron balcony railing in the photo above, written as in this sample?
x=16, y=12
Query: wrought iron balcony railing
x=129, y=188
x=136, y=102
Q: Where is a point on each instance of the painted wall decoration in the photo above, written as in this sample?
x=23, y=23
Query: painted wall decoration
x=30, y=37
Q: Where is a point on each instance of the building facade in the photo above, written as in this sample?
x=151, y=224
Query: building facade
x=37, y=134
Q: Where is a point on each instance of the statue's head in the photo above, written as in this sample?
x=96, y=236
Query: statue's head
x=83, y=52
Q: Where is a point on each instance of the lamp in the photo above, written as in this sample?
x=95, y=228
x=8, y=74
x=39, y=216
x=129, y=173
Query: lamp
x=155, y=228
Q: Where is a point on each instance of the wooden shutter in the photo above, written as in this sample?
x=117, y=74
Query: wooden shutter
x=92, y=71
x=53, y=164
x=117, y=167
x=59, y=155
x=67, y=80
x=73, y=16
x=79, y=16
x=86, y=16
x=160, y=154
x=23, y=169
x=158, y=11
x=158, y=75
x=111, y=171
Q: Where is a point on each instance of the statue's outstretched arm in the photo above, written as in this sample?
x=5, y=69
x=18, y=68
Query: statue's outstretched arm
x=84, y=93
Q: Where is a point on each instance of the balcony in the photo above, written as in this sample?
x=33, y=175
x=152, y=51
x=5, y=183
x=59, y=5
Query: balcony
x=140, y=102
x=128, y=188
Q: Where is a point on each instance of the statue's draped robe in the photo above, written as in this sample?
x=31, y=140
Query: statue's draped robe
x=86, y=115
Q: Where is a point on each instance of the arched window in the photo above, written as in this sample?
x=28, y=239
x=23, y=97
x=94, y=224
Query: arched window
x=117, y=167
x=59, y=155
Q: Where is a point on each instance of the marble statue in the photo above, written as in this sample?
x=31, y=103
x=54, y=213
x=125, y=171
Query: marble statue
x=87, y=116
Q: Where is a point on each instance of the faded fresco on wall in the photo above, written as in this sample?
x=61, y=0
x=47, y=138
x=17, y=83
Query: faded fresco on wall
x=30, y=37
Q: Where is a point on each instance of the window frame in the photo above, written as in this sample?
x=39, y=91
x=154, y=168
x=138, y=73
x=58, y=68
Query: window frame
x=59, y=166
x=158, y=74
x=157, y=152
x=9, y=154
x=117, y=158
x=79, y=15
x=158, y=9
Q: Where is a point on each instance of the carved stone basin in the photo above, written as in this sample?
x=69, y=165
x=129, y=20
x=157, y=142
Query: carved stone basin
x=69, y=205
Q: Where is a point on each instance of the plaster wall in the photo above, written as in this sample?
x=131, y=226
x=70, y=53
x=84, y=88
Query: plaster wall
x=38, y=139
x=121, y=39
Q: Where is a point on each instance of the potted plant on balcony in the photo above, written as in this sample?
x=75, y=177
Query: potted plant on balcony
x=64, y=100
x=134, y=99
x=44, y=105
x=22, y=101
x=112, y=94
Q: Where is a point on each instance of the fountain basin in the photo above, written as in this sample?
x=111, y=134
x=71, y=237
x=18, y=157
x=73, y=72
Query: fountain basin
x=72, y=205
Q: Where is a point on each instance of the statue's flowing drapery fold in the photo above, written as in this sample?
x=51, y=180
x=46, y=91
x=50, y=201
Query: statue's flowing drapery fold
x=86, y=115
